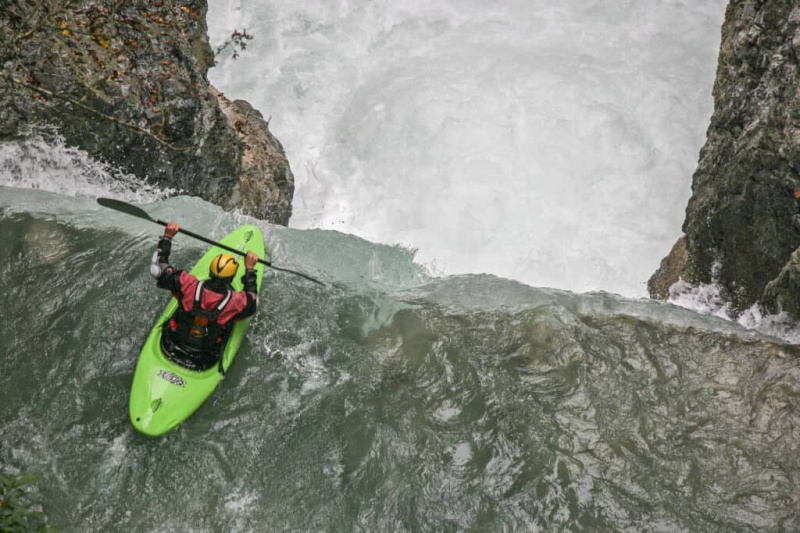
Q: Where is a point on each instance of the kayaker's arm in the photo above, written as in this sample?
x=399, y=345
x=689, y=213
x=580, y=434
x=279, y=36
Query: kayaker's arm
x=167, y=277
x=249, y=281
x=160, y=262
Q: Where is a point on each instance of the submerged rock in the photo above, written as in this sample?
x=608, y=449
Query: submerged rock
x=127, y=83
x=45, y=243
x=738, y=231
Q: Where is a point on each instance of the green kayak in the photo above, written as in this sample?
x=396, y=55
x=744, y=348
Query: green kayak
x=163, y=393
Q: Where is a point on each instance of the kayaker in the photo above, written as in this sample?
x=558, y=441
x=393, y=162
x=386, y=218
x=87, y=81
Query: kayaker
x=196, y=333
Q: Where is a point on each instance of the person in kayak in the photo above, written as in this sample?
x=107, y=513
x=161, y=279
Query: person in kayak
x=195, y=335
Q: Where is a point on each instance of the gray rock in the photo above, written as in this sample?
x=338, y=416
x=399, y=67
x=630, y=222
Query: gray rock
x=266, y=184
x=126, y=82
x=738, y=229
x=781, y=294
x=672, y=269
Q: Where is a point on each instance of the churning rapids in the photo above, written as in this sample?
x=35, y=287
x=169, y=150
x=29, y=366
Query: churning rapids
x=552, y=144
x=386, y=401
x=548, y=142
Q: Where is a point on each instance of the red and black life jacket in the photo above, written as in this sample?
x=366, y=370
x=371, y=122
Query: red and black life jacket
x=198, y=330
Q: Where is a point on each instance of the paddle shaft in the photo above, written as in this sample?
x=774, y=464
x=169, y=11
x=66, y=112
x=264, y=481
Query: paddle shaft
x=239, y=252
x=128, y=209
x=212, y=243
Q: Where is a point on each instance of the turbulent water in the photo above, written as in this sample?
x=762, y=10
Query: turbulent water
x=385, y=401
x=548, y=142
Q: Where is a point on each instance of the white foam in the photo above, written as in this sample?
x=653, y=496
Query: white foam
x=45, y=162
x=702, y=298
x=552, y=143
x=241, y=501
x=706, y=299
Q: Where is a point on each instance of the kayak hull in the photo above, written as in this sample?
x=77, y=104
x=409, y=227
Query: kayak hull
x=163, y=393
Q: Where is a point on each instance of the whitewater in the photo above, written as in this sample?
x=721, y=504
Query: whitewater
x=551, y=144
x=454, y=161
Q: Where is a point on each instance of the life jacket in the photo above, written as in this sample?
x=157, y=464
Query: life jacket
x=197, y=330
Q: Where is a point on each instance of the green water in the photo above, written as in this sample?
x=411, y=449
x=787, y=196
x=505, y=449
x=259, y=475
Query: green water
x=386, y=401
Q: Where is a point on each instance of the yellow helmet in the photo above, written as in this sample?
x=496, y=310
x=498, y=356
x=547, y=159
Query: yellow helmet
x=223, y=266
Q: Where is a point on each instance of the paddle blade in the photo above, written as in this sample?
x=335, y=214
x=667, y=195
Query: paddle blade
x=124, y=207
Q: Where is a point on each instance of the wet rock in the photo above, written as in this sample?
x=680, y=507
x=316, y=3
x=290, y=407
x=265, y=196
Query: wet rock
x=738, y=231
x=672, y=270
x=781, y=294
x=266, y=184
x=126, y=82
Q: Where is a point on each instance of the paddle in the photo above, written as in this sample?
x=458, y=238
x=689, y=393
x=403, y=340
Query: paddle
x=128, y=209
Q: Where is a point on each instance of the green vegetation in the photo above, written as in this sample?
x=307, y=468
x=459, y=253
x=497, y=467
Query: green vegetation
x=17, y=512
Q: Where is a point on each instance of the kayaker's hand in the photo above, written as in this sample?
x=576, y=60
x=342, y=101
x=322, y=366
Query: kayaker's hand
x=250, y=260
x=172, y=229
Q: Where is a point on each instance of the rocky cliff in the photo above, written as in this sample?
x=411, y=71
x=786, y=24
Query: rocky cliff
x=738, y=231
x=126, y=82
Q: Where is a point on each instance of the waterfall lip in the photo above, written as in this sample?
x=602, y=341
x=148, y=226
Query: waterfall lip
x=388, y=273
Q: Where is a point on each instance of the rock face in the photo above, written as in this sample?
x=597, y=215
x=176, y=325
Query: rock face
x=266, y=184
x=738, y=230
x=673, y=268
x=126, y=82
